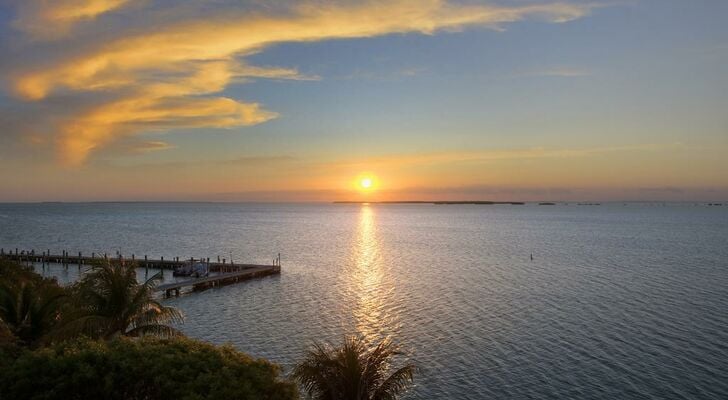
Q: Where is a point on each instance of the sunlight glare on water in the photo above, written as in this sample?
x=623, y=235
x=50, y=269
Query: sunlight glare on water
x=367, y=282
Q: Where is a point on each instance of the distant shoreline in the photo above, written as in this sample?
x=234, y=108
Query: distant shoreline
x=514, y=203
x=520, y=203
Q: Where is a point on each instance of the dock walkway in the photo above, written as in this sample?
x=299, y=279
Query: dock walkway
x=249, y=272
x=226, y=272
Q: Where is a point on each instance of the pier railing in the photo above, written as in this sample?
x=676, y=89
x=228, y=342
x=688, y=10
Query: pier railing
x=67, y=258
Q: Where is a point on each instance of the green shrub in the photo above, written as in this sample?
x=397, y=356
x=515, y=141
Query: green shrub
x=30, y=305
x=146, y=368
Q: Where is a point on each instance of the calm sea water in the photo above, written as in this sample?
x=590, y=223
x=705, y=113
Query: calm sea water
x=620, y=301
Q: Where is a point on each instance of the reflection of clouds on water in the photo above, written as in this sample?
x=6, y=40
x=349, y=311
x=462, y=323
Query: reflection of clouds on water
x=369, y=283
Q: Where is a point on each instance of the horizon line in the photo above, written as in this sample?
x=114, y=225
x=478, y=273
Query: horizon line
x=432, y=202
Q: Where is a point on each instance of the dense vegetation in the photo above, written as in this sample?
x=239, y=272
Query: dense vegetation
x=107, y=302
x=107, y=337
x=147, y=368
x=110, y=302
x=30, y=305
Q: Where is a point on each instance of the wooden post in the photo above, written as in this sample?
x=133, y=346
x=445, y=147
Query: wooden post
x=161, y=268
x=79, y=261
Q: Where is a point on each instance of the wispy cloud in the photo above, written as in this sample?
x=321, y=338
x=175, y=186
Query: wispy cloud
x=43, y=19
x=168, y=76
x=150, y=145
x=484, y=156
x=563, y=72
x=391, y=75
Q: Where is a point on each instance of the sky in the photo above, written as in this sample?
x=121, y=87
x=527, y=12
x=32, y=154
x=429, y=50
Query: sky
x=229, y=100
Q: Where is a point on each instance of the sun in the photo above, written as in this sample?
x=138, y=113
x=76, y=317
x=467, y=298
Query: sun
x=366, y=183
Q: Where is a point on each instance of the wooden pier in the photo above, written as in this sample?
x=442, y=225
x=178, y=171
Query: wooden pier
x=248, y=272
x=227, y=272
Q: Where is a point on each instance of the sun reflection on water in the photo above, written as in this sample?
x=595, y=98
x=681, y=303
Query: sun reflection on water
x=373, y=287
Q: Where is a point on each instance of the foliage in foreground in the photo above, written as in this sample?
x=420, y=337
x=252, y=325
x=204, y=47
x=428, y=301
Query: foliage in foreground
x=353, y=372
x=107, y=302
x=110, y=302
x=30, y=305
x=147, y=368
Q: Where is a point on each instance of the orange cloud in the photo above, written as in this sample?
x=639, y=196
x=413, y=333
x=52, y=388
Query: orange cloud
x=45, y=19
x=165, y=77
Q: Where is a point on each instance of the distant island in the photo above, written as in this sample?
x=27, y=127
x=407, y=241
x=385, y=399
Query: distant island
x=515, y=203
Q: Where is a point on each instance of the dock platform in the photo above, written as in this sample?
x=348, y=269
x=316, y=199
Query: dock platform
x=248, y=272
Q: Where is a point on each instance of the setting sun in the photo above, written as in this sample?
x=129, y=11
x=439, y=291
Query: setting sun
x=366, y=182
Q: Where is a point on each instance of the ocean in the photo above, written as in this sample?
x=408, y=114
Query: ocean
x=620, y=300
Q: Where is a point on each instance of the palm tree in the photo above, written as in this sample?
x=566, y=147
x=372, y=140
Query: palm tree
x=352, y=372
x=112, y=303
x=30, y=309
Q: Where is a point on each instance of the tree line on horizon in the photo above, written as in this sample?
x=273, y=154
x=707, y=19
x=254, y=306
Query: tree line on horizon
x=107, y=336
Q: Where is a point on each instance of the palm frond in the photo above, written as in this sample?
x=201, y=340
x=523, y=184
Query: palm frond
x=395, y=384
x=112, y=292
x=158, y=330
x=352, y=371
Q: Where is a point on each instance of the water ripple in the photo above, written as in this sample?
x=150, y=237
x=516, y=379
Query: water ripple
x=619, y=302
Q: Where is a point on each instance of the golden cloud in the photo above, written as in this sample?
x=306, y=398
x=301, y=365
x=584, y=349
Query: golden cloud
x=164, y=78
x=46, y=19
